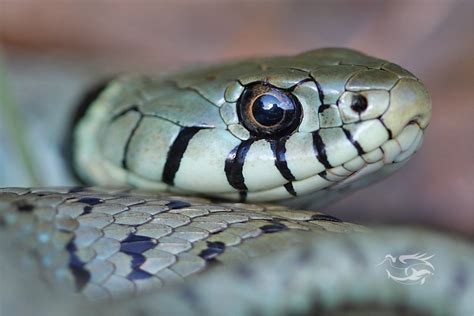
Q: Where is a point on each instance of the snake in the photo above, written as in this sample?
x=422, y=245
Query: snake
x=199, y=195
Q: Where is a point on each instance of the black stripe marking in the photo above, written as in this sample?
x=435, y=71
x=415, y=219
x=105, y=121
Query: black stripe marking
x=325, y=217
x=354, y=143
x=242, y=196
x=290, y=189
x=323, y=107
x=76, y=265
x=320, y=91
x=25, y=207
x=137, y=244
x=323, y=174
x=389, y=131
x=214, y=248
x=176, y=152
x=274, y=227
x=320, y=150
x=90, y=200
x=176, y=204
x=279, y=151
x=129, y=140
x=234, y=165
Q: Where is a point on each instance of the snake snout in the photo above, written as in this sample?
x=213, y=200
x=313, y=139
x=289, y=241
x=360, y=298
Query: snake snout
x=409, y=103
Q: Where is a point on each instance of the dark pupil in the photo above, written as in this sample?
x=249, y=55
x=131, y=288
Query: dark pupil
x=359, y=103
x=268, y=110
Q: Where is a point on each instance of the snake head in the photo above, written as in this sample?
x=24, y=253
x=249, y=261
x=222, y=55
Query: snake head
x=318, y=123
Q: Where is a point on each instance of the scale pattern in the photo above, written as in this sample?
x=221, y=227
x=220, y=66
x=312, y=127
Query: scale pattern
x=183, y=132
x=115, y=243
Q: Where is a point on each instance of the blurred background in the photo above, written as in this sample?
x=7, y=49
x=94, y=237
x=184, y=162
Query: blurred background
x=54, y=49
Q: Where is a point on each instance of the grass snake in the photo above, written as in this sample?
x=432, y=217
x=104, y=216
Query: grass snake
x=184, y=169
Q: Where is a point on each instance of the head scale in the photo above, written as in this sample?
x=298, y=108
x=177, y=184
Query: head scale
x=264, y=129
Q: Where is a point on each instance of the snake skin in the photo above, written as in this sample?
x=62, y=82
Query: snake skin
x=313, y=263
x=183, y=133
x=110, y=244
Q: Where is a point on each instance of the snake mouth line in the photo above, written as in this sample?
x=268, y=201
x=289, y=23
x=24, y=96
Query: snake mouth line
x=393, y=152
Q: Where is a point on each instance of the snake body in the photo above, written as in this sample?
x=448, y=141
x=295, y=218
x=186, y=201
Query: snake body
x=197, y=147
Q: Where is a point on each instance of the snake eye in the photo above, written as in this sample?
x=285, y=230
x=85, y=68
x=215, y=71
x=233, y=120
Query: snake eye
x=359, y=103
x=268, y=111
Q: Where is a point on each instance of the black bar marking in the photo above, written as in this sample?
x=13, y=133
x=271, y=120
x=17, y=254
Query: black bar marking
x=290, y=189
x=389, y=131
x=137, y=244
x=176, y=153
x=324, y=217
x=273, y=228
x=77, y=189
x=176, y=204
x=323, y=107
x=320, y=150
x=90, y=200
x=129, y=140
x=214, y=248
x=76, y=265
x=320, y=91
x=242, y=196
x=354, y=143
x=279, y=152
x=323, y=174
x=25, y=207
x=138, y=274
x=234, y=165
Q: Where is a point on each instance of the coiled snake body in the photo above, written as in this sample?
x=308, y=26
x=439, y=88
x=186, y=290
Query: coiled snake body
x=302, y=129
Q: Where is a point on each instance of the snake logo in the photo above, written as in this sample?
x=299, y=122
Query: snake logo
x=410, y=269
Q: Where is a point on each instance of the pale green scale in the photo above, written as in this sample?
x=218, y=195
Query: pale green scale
x=405, y=96
x=175, y=107
x=340, y=171
x=212, y=82
x=229, y=113
x=239, y=131
x=337, y=152
x=146, y=155
x=118, y=132
x=233, y=91
x=330, y=117
x=333, y=177
x=300, y=156
x=262, y=196
x=373, y=156
x=377, y=100
x=260, y=159
x=371, y=140
x=333, y=80
x=206, y=162
x=280, y=78
x=399, y=71
x=308, y=95
x=372, y=79
x=306, y=185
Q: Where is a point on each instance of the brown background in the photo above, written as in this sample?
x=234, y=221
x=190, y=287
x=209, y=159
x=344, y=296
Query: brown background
x=61, y=41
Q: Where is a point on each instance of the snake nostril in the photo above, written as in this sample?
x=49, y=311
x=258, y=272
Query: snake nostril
x=359, y=103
